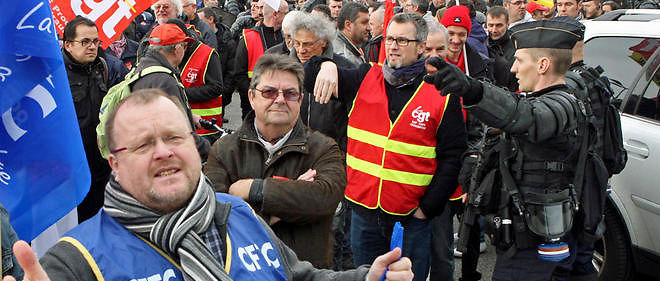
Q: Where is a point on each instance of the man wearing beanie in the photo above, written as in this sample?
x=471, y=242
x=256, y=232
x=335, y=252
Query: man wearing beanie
x=457, y=21
x=532, y=204
x=404, y=143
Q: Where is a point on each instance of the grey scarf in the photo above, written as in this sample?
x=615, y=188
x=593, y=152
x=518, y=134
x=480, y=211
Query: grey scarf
x=403, y=76
x=177, y=233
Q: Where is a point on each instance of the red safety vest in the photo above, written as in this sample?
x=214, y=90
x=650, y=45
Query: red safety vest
x=194, y=75
x=389, y=165
x=255, y=48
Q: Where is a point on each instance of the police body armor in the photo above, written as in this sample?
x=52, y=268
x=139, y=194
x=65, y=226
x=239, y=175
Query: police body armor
x=525, y=188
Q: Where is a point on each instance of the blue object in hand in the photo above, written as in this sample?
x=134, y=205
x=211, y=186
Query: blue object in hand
x=395, y=241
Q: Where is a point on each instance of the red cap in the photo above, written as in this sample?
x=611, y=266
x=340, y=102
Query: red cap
x=168, y=34
x=533, y=6
x=457, y=16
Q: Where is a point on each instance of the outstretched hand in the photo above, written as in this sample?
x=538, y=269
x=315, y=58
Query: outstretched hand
x=28, y=261
x=399, y=269
x=449, y=79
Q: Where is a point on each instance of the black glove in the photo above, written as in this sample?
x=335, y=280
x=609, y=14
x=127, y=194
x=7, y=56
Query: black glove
x=449, y=79
x=465, y=174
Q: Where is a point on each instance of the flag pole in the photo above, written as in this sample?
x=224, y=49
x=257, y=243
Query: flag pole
x=465, y=58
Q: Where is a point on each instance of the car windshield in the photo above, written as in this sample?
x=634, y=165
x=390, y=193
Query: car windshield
x=621, y=57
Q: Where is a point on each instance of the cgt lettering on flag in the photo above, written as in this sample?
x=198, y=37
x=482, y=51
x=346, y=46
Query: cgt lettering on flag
x=111, y=16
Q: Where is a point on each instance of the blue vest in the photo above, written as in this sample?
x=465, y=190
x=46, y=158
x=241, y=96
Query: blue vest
x=115, y=253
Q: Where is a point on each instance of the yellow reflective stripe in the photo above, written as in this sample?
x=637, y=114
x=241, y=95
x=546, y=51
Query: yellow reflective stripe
x=88, y=257
x=459, y=197
x=390, y=145
x=249, y=74
x=228, y=261
x=207, y=111
x=388, y=174
x=366, y=137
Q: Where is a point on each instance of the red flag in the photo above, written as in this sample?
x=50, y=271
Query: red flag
x=389, y=13
x=111, y=16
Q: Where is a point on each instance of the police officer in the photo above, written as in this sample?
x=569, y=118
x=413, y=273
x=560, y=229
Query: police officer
x=537, y=152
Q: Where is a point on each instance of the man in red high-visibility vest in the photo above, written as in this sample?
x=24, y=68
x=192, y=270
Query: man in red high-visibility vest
x=404, y=143
x=252, y=45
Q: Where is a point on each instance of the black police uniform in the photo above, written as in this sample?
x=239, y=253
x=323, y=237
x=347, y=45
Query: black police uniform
x=538, y=153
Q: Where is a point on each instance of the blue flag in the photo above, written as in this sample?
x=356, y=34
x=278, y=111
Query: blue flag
x=43, y=169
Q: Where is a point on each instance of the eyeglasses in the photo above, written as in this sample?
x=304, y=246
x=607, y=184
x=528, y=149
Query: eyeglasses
x=272, y=93
x=401, y=41
x=304, y=45
x=162, y=6
x=86, y=41
x=147, y=145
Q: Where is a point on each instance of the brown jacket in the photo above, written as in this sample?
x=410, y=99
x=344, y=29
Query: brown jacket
x=305, y=208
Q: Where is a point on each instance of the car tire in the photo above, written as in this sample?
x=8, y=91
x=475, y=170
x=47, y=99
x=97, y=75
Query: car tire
x=613, y=256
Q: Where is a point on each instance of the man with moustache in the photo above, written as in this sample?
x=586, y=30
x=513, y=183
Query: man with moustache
x=570, y=8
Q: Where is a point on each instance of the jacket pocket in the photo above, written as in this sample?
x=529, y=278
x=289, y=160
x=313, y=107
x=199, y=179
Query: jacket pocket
x=82, y=103
x=7, y=263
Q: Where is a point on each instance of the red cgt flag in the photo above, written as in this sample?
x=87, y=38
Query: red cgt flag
x=111, y=16
x=389, y=13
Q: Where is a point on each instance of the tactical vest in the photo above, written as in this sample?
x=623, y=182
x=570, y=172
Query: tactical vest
x=115, y=253
x=194, y=75
x=389, y=165
x=255, y=48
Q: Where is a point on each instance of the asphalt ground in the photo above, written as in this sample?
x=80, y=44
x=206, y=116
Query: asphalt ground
x=486, y=259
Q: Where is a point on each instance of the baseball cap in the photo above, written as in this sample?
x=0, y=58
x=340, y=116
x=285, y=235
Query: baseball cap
x=168, y=34
x=533, y=6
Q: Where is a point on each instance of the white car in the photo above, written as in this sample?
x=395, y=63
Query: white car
x=628, y=51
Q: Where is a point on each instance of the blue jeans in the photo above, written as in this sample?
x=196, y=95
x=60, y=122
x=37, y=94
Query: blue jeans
x=372, y=239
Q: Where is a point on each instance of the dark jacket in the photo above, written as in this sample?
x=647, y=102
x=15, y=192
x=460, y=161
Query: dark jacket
x=305, y=208
x=242, y=22
x=330, y=119
x=208, y=37
x=477, y=38
x=226, y=49
x=88, y=83
x=116, y=68
x=501, y=51
x=479, y=65
x=372, y=48
x=65, y=262
x=212, y=87
x=10, y=265
x=451, y=135
x=169, y=84
x=278, y=49
x=269, y=38
x=129, y=56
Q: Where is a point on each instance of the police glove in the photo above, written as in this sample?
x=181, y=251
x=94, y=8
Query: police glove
x=451, y=80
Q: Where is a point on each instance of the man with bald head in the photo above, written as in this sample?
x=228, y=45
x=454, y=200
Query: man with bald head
x=253, y=43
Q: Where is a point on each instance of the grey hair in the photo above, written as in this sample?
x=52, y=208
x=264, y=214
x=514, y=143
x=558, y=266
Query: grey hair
x=287, y=22
x=158, y=48
x=177, y=4
x=436, y=27
x=422, y=5
x=322, y=28
x=421, y=28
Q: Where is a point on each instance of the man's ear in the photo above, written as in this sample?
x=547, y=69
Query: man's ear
x=251, y=98
x=67, y=45
x=113, y=161
x=421, y=48
x=543, y=65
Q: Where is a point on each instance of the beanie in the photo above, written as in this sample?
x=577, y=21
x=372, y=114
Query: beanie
x=457, y=16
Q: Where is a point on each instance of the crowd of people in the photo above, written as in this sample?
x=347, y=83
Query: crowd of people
x=348, y=127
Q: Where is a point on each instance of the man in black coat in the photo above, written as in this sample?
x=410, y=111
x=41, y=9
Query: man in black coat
x=88, y=78
x=501, y=48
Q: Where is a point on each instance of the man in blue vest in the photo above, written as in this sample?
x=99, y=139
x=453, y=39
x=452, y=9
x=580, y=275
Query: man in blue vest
x=161, y=219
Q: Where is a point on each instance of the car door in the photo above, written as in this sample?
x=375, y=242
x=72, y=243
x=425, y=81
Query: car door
x=638, y=185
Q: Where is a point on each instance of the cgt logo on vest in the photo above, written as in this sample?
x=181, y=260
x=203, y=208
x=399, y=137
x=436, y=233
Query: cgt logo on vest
x=167, y=275
x=419, y=117
x=250, y=258
x=191, y=77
